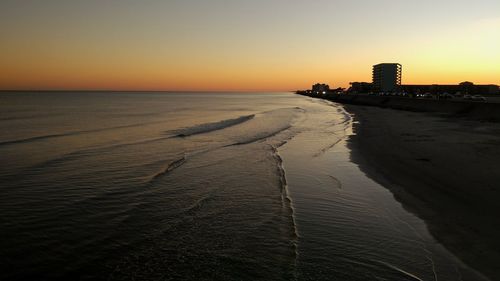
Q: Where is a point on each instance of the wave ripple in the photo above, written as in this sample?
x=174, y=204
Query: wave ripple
x=210, y=127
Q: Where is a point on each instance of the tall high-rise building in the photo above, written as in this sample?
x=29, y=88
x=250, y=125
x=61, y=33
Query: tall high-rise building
x=387, y=77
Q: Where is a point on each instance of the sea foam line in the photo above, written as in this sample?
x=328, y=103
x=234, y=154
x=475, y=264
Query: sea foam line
x=287, y=200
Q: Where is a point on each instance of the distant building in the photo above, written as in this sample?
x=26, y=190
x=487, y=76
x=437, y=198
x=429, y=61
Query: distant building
x=462, y=88
x=320, y=88
x=360, y=87
x=488, y=89
x=387, y=77
x=471, y=88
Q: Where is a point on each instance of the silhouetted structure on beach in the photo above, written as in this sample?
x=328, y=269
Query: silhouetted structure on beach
x=360, y=87
x=464, y=88
x=387, y=77
x=320, y=88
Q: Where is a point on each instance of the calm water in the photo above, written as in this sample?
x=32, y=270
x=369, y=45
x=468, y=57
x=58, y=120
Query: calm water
x=176, y=186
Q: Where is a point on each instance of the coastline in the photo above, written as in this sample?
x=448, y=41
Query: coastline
x=463, y=109
x=442, y=170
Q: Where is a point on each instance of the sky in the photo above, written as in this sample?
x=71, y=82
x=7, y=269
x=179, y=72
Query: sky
x=243, y=45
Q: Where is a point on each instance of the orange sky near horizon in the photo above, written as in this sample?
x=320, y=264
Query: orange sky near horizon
x=234, y=45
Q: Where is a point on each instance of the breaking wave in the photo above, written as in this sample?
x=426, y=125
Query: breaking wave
x=210, y=127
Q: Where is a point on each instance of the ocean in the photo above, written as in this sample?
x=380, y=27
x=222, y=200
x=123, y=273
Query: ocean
x=198, y=186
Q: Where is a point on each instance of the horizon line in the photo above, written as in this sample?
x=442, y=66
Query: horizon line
x=149, y=91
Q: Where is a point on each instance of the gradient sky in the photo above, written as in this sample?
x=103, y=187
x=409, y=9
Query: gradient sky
x=243, y=44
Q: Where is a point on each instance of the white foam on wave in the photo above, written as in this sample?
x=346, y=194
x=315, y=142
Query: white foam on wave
x=286, y=199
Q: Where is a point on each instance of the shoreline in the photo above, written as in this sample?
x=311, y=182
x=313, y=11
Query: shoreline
x=459, y=109
x=440, y=169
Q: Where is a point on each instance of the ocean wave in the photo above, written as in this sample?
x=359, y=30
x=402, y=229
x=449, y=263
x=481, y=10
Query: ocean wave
x=261, y=136
x=286, y=200
x=82, y=153
x=170, y=167
x=401, y=271
x=72, y=133
x=210, y=127
x=197, y=205
x=325, y=149
x=338, y=183
x=26, y=140
x=27, y=117
x=285, y=141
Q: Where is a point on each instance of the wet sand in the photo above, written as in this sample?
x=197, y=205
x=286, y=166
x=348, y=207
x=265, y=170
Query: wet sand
x=443, y=169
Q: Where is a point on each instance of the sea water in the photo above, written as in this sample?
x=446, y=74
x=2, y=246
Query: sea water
x=197, y=186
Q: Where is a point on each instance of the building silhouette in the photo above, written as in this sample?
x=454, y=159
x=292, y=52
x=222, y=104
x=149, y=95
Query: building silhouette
x=464, y=88
x=387, y=77
x=320, y=88
x=360, y=87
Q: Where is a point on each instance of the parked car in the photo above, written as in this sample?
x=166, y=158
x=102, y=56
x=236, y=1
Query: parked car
x=467, y=97
x=427, y=96
x=478, y=98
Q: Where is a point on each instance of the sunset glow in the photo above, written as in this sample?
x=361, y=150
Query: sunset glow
x=243, y=45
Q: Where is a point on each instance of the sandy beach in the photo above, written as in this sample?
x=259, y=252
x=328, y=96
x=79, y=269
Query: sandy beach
x=443, y=169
